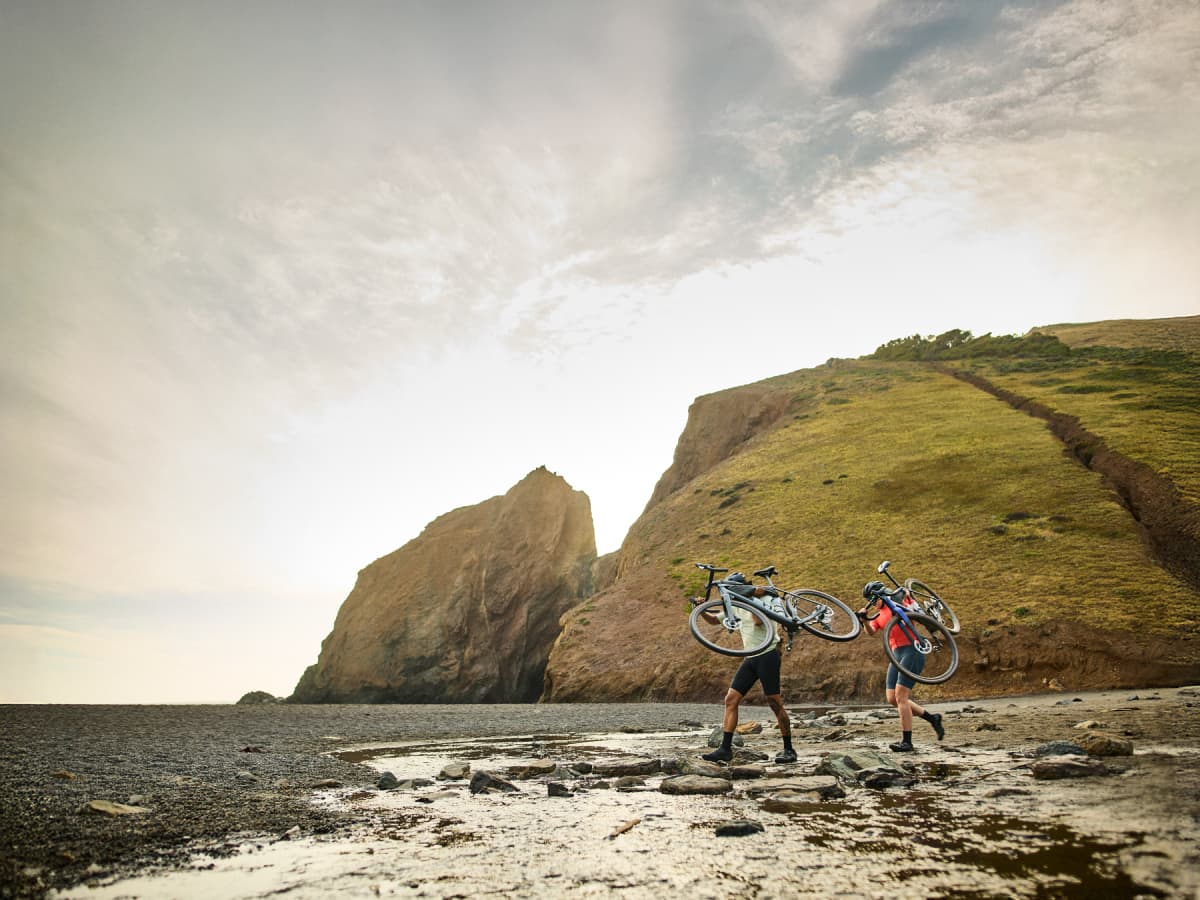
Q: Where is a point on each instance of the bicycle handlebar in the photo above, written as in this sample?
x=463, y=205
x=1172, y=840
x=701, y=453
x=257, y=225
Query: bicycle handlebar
x=709, y=567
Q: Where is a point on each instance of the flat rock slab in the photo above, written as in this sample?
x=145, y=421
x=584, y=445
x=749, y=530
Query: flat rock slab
x=112, y=808
x=531, y=768
x=695, y=784
x=703, y=767
x=612, y=768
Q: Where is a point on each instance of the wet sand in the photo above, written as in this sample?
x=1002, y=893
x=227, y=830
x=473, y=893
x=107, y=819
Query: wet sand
x=235, y=807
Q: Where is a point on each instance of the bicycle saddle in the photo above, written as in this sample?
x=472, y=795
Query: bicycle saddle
x=765, y=573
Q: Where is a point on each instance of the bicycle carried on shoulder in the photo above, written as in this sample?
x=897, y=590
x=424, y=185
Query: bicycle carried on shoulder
x=724, y=623
x=917, y=619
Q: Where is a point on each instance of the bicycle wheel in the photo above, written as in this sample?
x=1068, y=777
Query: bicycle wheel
x=726, y=635
x=938, y=652
x=935, y=607
x=823, y=615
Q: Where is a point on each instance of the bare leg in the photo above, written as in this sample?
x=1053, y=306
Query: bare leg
x=732, y=700
x=906, y=707
x=775, y=701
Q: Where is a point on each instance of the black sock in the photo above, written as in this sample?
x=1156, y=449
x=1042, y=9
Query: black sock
x=787, y=743
x=727, y=741
x=927, y=716
x=907, y=739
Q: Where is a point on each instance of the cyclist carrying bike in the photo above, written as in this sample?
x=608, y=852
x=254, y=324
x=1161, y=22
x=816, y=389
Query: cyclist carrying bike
x=763, y=667
x=900, y=685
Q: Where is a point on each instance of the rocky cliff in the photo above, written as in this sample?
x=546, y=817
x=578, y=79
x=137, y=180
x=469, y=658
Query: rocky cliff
x=467, y=611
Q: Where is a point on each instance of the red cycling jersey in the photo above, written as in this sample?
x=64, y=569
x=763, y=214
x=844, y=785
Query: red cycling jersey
x=898, y=638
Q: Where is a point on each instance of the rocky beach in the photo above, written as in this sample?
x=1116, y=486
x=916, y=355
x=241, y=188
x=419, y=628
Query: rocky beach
x=1054, y=795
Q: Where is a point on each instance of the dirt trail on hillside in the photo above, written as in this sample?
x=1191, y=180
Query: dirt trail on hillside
x=1169, y=524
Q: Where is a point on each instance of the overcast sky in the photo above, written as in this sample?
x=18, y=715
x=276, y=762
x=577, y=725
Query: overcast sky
x=281, y=282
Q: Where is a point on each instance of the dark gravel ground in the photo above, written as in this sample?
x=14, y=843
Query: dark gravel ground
x=188, y=766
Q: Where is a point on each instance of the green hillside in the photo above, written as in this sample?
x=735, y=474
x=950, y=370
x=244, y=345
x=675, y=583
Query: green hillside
x=903, y=459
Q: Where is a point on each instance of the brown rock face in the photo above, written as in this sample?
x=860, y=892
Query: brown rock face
x=467, y=611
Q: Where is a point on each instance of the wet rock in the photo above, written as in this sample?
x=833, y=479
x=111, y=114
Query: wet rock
x=112, y=808
x=791, y=802
x=533, y=768
x=1101, y=744
x=717, y=735
x=411, y=784
x=1090, y=724
x=695, y=784
x=246, y=777
x=703, y=767
x=486, y=782
x=823, y=787
x=436, y=795
x=629, y=782
x=557, y=789
x=739, y=773
x=750, y=728
x=582, y=767
x=327, y=783
x=387, y=782
x=1059, y=748
x=614, y=768
x=859, y=766
x=455, y=771
x=738, y=828
x=1056, y=767
x=885, y=777
x=996, y=793
x=671, y=765
x=987, y=726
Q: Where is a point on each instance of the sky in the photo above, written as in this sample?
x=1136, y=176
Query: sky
x=282, y=282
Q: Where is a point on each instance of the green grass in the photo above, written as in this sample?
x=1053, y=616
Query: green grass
x=1148, y=412
x=952, y=485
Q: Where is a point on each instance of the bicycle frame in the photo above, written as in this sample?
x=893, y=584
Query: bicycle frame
x=730, y=590
x=921, y=645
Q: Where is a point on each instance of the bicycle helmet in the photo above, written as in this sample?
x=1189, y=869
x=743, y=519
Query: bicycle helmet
x=873, y=588
x=737, y=578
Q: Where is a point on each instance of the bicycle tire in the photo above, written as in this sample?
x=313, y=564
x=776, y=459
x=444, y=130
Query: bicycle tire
x=720, y=638
x=941, y=641
x=822, y=614
x=935, y=607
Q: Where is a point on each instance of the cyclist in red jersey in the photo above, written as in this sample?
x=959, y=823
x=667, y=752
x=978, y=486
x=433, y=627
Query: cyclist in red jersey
x=900, y=685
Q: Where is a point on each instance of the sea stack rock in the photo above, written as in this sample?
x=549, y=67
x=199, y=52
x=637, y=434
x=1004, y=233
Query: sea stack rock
x=467, y=611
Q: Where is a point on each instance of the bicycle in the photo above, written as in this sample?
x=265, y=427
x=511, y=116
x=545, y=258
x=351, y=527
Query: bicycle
x=720, y=623
x=932, y=605
x=931, y=639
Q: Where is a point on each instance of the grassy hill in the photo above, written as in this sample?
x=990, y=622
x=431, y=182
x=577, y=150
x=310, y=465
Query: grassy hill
x=936, y=463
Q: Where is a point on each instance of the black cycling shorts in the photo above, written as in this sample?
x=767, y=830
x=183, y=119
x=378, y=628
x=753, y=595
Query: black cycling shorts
x=764, y=668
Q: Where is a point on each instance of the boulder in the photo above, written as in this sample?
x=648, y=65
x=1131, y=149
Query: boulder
x=257, y=697
x=1097, y=743
x=468, y=611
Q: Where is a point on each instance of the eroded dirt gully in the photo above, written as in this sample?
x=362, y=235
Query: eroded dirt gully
x=1169, y=524
x=965, y=817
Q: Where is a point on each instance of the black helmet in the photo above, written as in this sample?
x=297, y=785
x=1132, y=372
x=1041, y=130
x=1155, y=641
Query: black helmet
x=737, y=578
x=872, y=588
